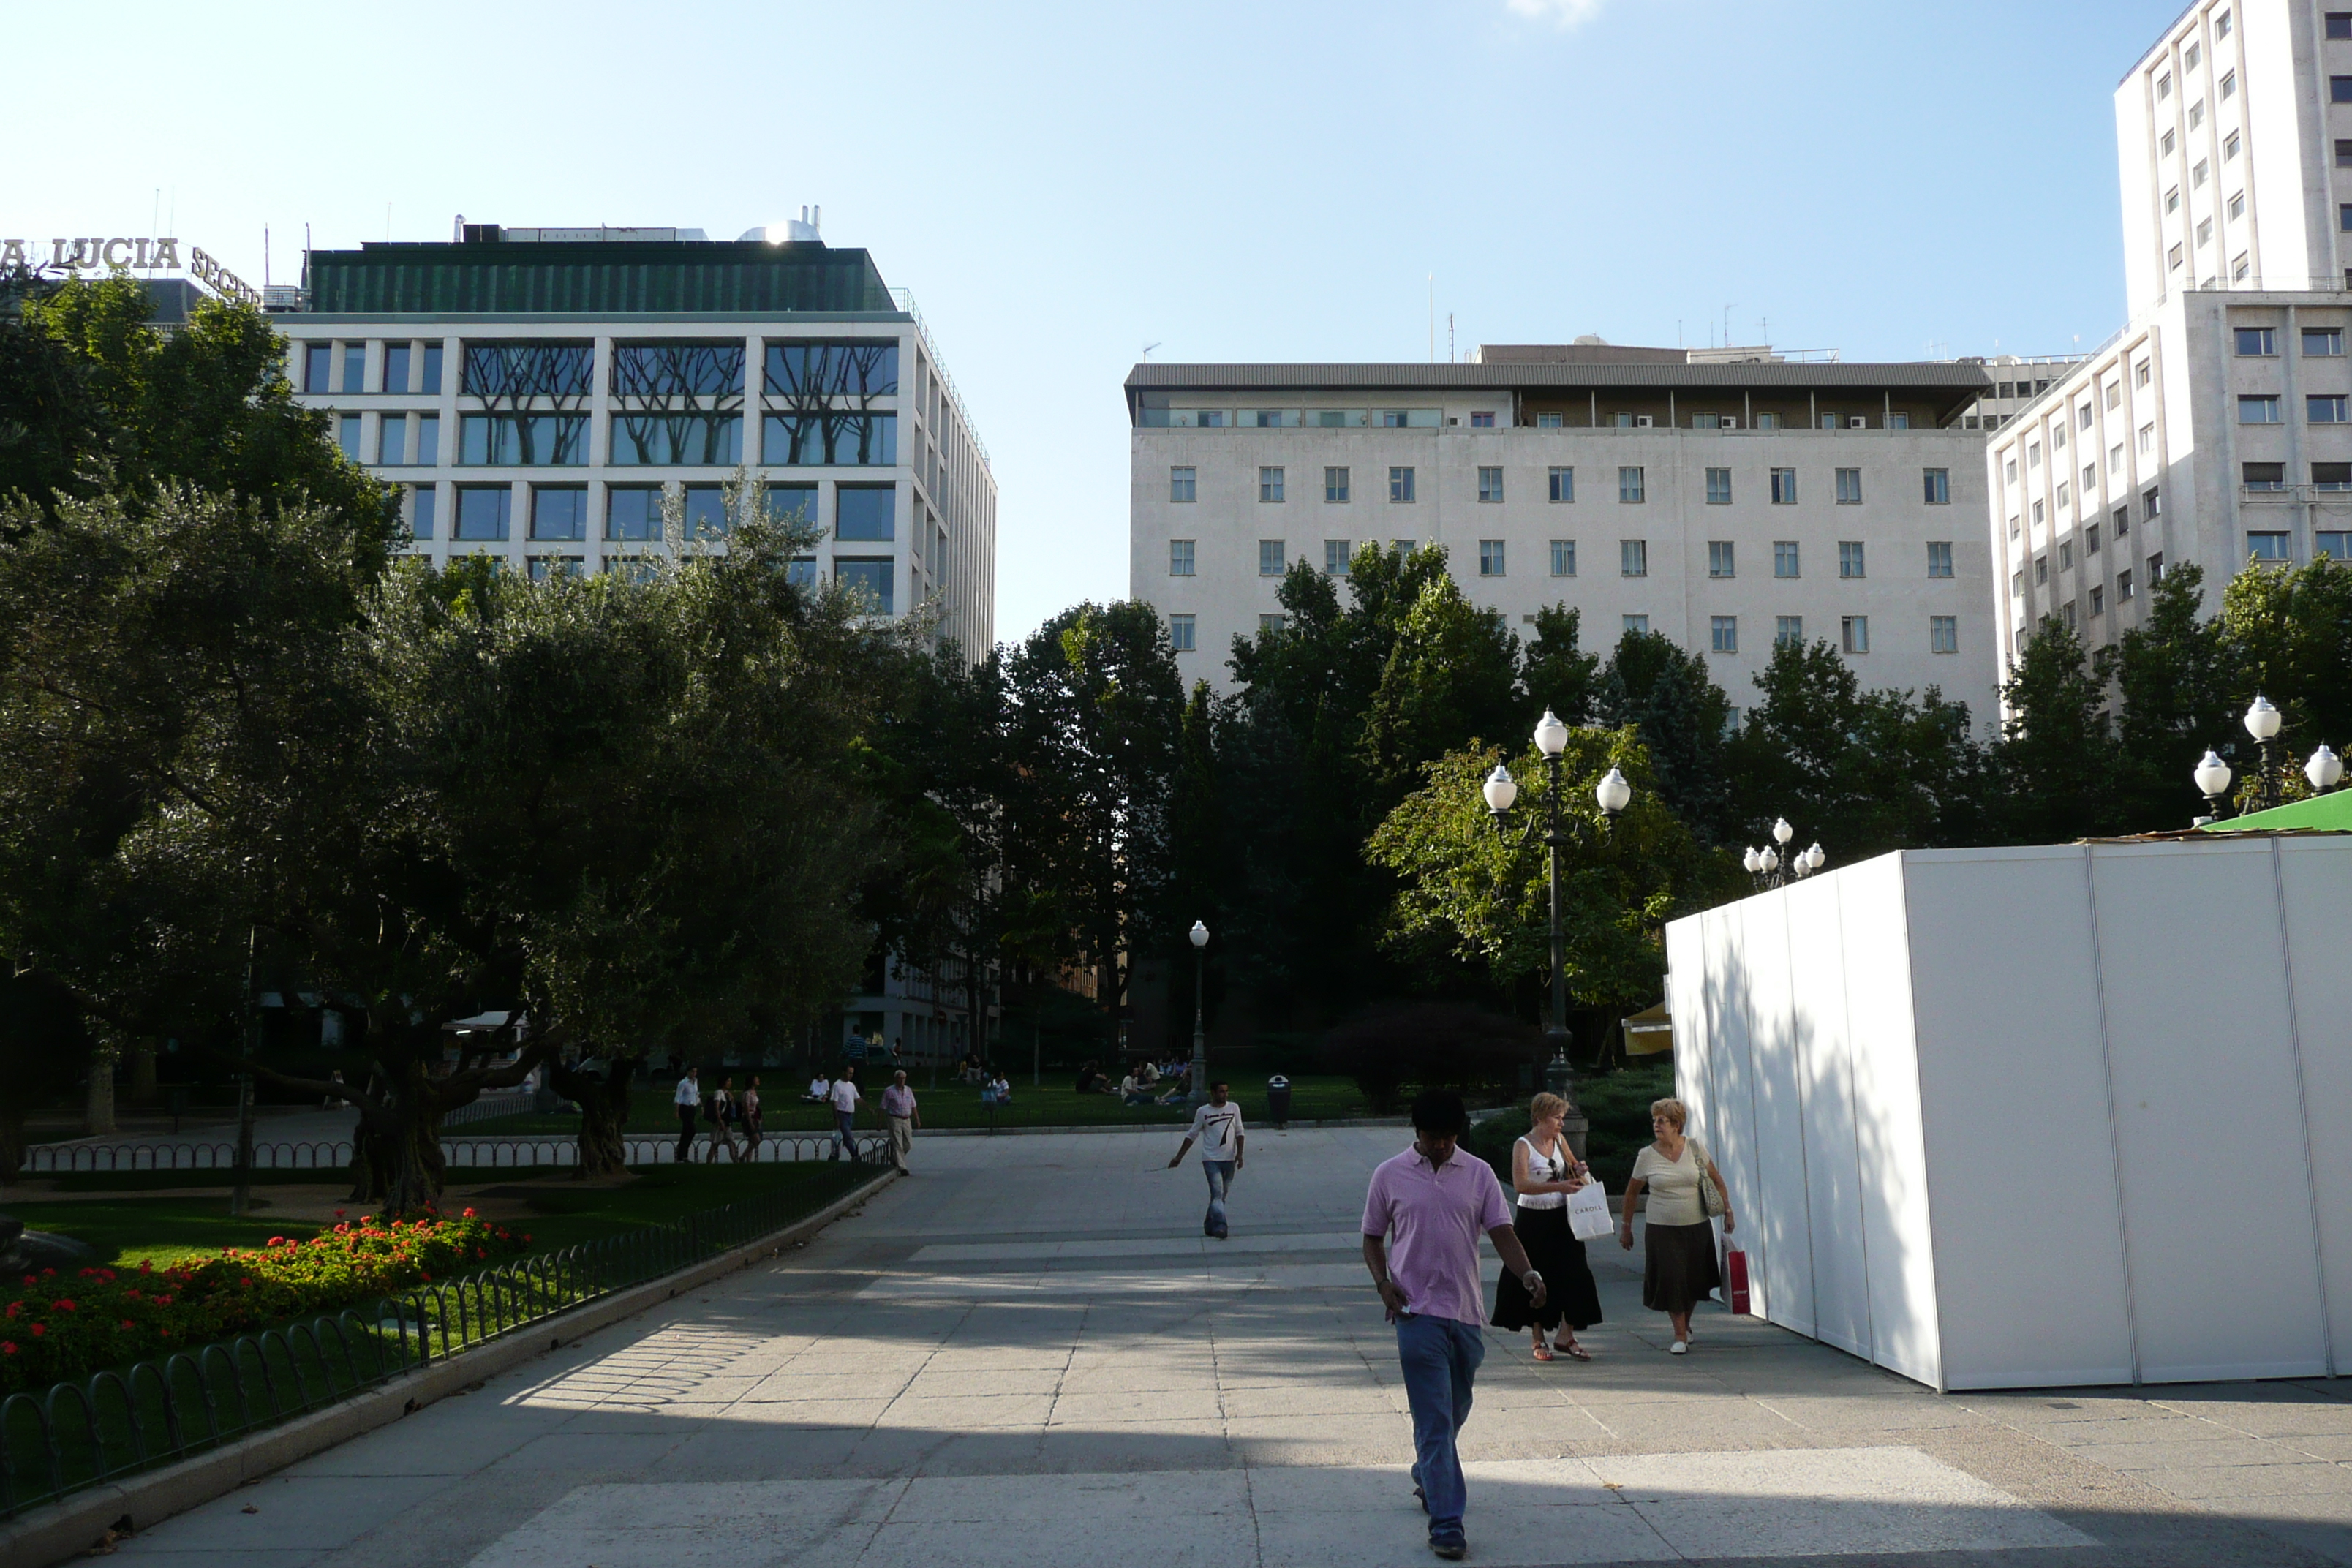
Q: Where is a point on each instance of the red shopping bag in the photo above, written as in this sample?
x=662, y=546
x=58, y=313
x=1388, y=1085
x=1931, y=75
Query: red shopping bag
x=1736, y=1272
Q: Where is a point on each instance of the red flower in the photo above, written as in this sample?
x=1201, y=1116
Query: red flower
x=65, y=1304
x=7, y=1347
x=339, y=1214
x=126, y=1323
x=40, y=1329
x=470, y=1214
x=276, y=1241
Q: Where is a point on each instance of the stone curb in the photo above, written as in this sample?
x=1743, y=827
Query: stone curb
x=1175, y=1127
x=64, y=1529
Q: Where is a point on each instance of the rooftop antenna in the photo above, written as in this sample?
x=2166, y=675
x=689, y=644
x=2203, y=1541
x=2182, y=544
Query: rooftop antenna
x=155, y=215
x=1147, y=351
x=1726, y=326
x=387, y=223
x=265, y=256
x=1433, y=318
x=1449, y=337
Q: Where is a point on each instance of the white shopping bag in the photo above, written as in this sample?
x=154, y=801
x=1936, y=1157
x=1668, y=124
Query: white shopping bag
x=1588, y=1212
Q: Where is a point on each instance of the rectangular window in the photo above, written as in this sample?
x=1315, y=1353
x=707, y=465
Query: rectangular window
x=697, y=440
x=1483, y=419
x=1269, y=557
x=355, y=367
x=2156, y=569
x=2238, y=205
x=2205, y=231
x=429, y=378
x=2257, y=341
x=483, y=511
x=1939, y=558
x=1549, y=421
x=2333, y=544
x=2324, y=409
x=2098, y=599
x=420, y=508
x=2065, y=553
x=1784, y=486
x=2041, y=569
x=2122, y=586
x=2331, y=477
x=1899, y=420
x=868, y=513
x=871, y=580
x=1490, y=484
x=1179, y=633
x=2323, y=341
x=2259, y=410
x=2197, y=114
x=1181, y=484
x=2263, y=475
x=705, y=510
x=520, y=370
x=1337, y=554
x=2339, y=24
x=2040, y=515
x=543, y=567
x=632, y=512
x=1788, y=631
x=1272, y=624
x=2339, y=89
x=1719, y=558
x=1633, y=558
x=558, y=512
x=1637, y=624
x=1334, y=486
x=1630, y=485
x=347, y=436
x=1723, y=632
x=1943, y=634
x=2140, y=373
x=2222, y=25
x=1563, y=558
x=392, y=441
x=1850, y=558
x=794, y=505
x=1180, y=558
x=524, y=441
x=2091, y=540
x=1269, y=484
x=2164, y=145
x=832, y=439
x=2230, y=86
x=2148, y=505
x=821, y=372
x=1399, y=486
x=1855, y=632
x=1719, y=487
x=427, y=448
x=1784, y=558
x=318, y=367
x=1563, y=484
x=2164, y=87
x=1849, y=487
x=2266, y=546
x=1490, y=558
x=2033, y=454
x=1768, y=422
x=396, y=366
x=1936, y=486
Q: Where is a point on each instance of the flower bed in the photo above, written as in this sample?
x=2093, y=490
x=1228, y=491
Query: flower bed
x=56, y=1325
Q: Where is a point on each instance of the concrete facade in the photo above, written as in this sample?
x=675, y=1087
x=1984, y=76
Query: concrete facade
x=1665, y=455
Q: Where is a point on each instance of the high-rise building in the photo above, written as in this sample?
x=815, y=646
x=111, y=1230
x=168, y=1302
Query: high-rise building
x=551, y=398
x=2213, y=429
x=1726, y=498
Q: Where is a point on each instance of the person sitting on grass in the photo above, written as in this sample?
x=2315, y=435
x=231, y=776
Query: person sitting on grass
x=820, y=1092
x=1004, y=1089
x=1132, y=1091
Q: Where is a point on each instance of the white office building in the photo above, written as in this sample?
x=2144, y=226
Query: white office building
x=541, y=395
x=1726, y=498
x=2214, y=428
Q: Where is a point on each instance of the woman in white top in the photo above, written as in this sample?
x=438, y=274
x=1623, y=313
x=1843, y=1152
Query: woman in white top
x=1544, y=1171
x=1677, y=1241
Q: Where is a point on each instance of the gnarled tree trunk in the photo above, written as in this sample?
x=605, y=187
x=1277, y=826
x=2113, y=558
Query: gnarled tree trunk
x=603, y=1101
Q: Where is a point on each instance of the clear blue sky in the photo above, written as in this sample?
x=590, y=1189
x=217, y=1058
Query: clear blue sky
x=1062, y=184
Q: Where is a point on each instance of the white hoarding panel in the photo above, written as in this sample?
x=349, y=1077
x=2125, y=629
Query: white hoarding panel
x=1825, y=1069
x=2314, y=877
x=2014, y=1100
x=1710, y=1013
x=1896, y=1238
x=1781, y=1220
x=2216, y=1186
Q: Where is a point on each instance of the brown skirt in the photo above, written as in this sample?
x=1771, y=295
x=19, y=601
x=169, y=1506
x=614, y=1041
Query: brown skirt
x=1678, y=1266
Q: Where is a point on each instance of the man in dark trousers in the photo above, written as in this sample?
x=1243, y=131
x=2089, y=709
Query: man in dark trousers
x=688, y=1101
x=1217, y=1128
x=1422, y=1219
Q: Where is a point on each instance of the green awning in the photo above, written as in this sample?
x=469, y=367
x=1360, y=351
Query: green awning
x=2331, y=812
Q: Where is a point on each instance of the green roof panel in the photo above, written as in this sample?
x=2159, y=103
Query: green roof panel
x=657, y=278
x=2327, y=812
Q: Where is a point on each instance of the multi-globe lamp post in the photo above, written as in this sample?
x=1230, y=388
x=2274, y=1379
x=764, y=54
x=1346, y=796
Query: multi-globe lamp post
x=1776, y=863
x=2323, y=769
x=1611, y=794
x=1199, y=935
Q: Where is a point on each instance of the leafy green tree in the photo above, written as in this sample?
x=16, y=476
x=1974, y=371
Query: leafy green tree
x=1559, y=678
x=1450, y=677
x=50, y=415
x=2290, y=631
x=1685, y=721
x=2176, y=673
x=2057, y=757
x=1095, y=712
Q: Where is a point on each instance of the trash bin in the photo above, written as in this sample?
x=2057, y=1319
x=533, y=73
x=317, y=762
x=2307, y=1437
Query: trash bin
x=1277, y=1100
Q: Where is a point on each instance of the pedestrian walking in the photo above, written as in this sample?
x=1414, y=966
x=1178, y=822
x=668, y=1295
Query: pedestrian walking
x=719, y=1110
x=688, y=1101
x=1423, y=1215
x=1544, y=1171
x=845, y=1114
x=1678, y=1269
x=1217, y=1128
x=902, y=1116
x=751, y=1124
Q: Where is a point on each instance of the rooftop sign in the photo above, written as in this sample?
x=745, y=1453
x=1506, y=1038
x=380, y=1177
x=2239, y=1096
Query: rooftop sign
x=136, y=255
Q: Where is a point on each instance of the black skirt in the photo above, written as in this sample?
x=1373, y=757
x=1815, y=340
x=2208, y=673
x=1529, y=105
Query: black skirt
x=1569, y=1295
x=1678, y=1266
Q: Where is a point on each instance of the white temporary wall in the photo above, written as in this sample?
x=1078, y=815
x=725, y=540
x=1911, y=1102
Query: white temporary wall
x=2039, y=1116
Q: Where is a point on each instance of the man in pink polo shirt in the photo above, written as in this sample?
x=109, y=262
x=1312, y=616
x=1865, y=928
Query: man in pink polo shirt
x=1422, y=1220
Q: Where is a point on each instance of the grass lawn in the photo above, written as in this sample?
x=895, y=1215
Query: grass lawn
x=951, y=1105
x=555, y=1212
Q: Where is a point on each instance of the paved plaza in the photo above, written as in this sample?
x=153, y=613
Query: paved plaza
x=1026, y=1354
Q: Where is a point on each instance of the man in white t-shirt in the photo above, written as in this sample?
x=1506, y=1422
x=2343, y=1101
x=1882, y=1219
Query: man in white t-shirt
x=688, y=1101
x=1217, y=1128
x=845, y=1114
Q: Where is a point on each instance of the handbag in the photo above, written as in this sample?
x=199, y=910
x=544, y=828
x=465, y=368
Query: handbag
x=1710, y=1196
x=1588, y=1212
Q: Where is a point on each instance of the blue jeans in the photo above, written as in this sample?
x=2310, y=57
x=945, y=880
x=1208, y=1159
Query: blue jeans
x=844, y=1123
x=1440, y=1357
x=1220, y=1176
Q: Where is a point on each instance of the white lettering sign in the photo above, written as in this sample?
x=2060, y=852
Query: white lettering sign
x=95, y=254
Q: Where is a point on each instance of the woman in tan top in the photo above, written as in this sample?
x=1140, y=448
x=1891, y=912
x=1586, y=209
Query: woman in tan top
x=1678, y=1243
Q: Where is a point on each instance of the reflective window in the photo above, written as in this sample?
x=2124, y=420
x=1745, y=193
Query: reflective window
x=1490, y=484
x=1940, y=554
x=800, y=573
x=1784, y=484
x=1719, y=487
x=870, y=579
x=2261, y=410
x=1563, y=484
x=1633, y=558
x=1490, y=558
x=422, y=504
x=1563, y=558
x=318, y=367
x=680, y=438
x=483, y=511
x=1182, y=482
x=1850, y=558
x=2327, y=408
x=1335, y=485
x=839, y=439
x=1337, y=554
x=1631, y=487
x=347, y=436
x=1856, y=630
x=706, y=511
x=1788, y=631
x=396, y=366
x=2326, y=341
x=795, y=504
x=1638, y=625
x=528, y=370
x=1399, y=485
x=430, y=378
x=1269, y=558
x=543, y=567
x=1784, y=558
x=1269, y=484
x=1180, y=558
x=558, y=512
x=677, y=369
x=1723, y=632
x=866, y=512
x=632, y=512
x=833, y=369
x=1943, y=631
x=1849, y=486
x=355, y=367
x=1938, y=485
x=392, y=441
x=2267, y=546
x=1719, y=558
x=526, y=440
x=1180, y=633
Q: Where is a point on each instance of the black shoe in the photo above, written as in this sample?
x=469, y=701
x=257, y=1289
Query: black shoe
x=1449, y=1547
x=1421, y=1498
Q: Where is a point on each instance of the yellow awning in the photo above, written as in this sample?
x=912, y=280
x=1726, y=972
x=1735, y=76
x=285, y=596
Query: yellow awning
x=1649, y=1033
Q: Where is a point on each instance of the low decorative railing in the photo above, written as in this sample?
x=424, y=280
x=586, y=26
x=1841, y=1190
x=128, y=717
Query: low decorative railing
x=497, y=1153
x=122, y=1420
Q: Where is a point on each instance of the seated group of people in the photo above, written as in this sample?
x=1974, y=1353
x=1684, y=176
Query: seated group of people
x=1146, y=1083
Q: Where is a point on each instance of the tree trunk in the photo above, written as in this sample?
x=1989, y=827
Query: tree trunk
x=396, y=1148
x=603, y=1101
x=97, y=1111
x=145, y=1088
x=12, y=1136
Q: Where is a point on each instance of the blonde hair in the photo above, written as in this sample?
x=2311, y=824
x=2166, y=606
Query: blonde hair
x=1673, y=1110
x=1545, y=1105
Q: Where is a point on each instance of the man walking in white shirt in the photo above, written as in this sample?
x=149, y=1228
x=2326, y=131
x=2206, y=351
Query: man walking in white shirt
x=901, y=1116
x=688, y=1101
x=1217, y=1128
x=845, y=1114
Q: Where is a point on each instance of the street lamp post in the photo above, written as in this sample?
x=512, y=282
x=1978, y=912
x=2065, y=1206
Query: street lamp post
x=1199, y=1020
x=1776, y=863
x=2323, y=769
x=1611, y=794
